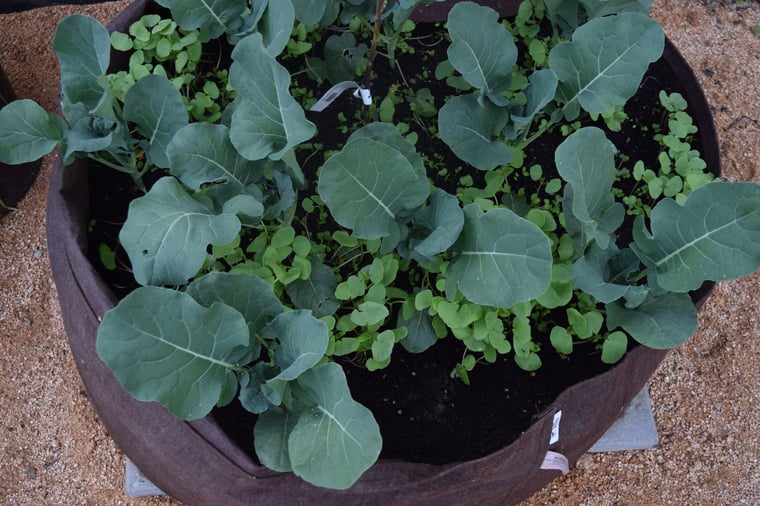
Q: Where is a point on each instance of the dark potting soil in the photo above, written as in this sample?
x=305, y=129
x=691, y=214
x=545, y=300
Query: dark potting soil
x=424, y=414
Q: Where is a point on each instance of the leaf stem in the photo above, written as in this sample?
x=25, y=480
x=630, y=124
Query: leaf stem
x=379, y=7
x=121, y=165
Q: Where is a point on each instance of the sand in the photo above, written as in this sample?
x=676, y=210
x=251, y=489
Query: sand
x=706, y=394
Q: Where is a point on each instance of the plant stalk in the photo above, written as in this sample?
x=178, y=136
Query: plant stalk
x=379, y=8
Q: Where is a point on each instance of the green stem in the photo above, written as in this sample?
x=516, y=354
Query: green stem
x=121, y=165
x=541, y=129
x=527, y=140
x=641, y=275
x=379, y=7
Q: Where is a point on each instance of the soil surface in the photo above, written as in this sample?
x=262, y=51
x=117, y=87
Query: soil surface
x=424, y=414
x=706, y=394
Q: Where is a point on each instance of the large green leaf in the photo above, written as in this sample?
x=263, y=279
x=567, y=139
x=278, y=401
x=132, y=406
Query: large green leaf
x=251, y=397
x=586, y=160
x=564, y=15
x=472, y=128
x=83, y=47
x=316, y=293
x=248, y=23
x=270, y=438
x=201, y=153
x=370, y=184
x=568, y=14
x=90, y=134
x=268, y=121
x=276, y=25
x=599, y=8
x=434, y=227
x=250, y=295
x=310, y=12
x=503, y=259
x=247, y=208
x=28, y=132
x=714, y=235
x=606, y=274
x=336, y=439
x=210, y=17
x=481, y=49
x=165, y=347
x=421, y=334
x=388, y=134
x=167, y=232
x=661, y=322
x=284, y=198
x=541, y=91
x=302, y=342
x=343, y=56
x=605, y=61
x=156, y=107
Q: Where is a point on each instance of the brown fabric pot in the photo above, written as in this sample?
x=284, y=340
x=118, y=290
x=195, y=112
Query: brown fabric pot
x=198, y=464
x=15, y=180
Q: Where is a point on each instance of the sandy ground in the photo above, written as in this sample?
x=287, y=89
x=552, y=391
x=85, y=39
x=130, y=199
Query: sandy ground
x=706, y=395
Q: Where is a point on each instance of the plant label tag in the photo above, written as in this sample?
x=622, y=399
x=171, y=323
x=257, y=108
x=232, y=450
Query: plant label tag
x=364, y=94
x=555, y=428
x=337, y=89
x=557, y=462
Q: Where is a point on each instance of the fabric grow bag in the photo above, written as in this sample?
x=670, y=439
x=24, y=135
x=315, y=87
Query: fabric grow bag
x=15, y=180
x=197, y=463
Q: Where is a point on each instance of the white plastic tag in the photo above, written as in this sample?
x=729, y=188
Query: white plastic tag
x=334, y=92
x=555, y=427
x=365, y=95
x=556, y=461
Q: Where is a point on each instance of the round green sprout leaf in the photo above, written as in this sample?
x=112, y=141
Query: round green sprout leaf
x=499, y=342
x=382, y=346
x=163, y=48
x=369, y=313
x=561, y=340
x=149, y=20
x=121, y=41
x=301, y=246
x=529, y=362
x=614, y=347
x=673, y=102
x=139, y=32
x=673, y=186
x=376, y=271
x=553, y=186
x=423, y=300
x=283, y=237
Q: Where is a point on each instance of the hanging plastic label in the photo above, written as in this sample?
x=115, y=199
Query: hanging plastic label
x=365, y=95
x=555, y=427
x=556, y=461
x=334, y=92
